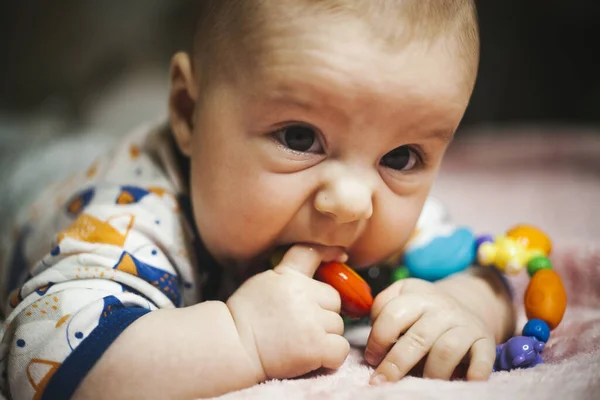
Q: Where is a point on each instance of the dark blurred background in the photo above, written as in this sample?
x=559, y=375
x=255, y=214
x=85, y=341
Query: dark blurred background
x=65, y=57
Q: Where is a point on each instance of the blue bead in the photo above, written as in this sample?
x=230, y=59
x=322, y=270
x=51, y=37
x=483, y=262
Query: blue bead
x=538, y=329
x=55, y=251
x=20, y=343
x=78, y=335
x=439, y=252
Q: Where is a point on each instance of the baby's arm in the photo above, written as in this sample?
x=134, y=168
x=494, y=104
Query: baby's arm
x=117, y=271
x=483, y=291
x=279, y=324
x=176, y=353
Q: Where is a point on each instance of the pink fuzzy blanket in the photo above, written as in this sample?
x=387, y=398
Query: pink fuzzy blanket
x=490, y=182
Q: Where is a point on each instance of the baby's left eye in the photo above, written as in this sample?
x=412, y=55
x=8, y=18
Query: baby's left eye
x=402, y=158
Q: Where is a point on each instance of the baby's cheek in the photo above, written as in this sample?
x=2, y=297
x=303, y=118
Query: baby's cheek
x=248, y=216
x=391, y=225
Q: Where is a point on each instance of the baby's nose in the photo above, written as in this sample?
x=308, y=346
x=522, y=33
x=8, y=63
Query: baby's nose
x=346, y=200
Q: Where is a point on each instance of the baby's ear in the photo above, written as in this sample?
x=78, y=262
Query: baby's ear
x=183, y=96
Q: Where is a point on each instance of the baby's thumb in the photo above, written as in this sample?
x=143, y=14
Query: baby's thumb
x=305, y=259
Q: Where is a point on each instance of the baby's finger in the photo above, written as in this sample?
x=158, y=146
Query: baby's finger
x=331, y=322
x=399, y=315
x=483, y=355
x=389, y=293
x=326, y=296
x=335, y=351
x=305, y=259
x=409, y=350
x=447, y=352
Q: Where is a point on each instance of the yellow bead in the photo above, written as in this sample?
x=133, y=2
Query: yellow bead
x=486, y=254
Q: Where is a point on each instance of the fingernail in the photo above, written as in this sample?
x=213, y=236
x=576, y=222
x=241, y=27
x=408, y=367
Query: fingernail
x=342, y=258
x=377, y=379
x=370, y=357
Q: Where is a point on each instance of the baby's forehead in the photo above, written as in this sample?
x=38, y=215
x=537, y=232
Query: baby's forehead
x=314, y=93
x=332, y=69
x=248, y=31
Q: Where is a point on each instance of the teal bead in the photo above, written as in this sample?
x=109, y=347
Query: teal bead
x=438, y=252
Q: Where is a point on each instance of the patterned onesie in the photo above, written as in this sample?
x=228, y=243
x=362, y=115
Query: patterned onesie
x=90, y=257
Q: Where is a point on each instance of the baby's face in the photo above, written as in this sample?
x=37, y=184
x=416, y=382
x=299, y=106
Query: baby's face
x=329, y=141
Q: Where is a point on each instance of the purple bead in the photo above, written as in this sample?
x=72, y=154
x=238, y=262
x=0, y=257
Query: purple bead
x=538, y=329
x=518, y=352
x=483, y=239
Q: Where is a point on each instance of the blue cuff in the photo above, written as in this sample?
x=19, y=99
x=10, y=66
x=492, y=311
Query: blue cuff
x=69, y=375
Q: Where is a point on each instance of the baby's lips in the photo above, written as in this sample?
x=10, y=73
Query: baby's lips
x=329, y=253
x=355, y=293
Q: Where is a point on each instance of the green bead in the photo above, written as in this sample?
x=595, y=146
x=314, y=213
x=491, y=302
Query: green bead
x=355, y=321
x=537, y=263
x=400, y=273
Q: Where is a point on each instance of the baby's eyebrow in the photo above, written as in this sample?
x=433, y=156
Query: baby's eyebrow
x=291, y=99
x=444, y=135
x=309, y=99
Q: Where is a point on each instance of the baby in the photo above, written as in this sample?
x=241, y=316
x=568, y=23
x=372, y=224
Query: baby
x=313, y=125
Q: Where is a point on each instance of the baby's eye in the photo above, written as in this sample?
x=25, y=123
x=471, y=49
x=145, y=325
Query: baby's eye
x=402, y=158
x=300, y=138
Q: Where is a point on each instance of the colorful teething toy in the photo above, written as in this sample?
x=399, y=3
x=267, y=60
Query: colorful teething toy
x=523, y=246
x=436, y=251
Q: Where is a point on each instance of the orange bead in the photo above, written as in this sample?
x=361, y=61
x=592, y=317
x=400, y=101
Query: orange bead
x=354, y=291
x=531, y=237
x=546, y=298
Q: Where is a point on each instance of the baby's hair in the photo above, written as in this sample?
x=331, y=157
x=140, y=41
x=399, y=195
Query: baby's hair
x=229, y=32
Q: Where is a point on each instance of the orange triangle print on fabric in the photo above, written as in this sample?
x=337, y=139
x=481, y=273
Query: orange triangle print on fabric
x=125, y=198
x=90, y=229
x=126, y=264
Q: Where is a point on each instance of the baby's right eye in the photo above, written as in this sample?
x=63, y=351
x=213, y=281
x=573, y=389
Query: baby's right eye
x=299, y=138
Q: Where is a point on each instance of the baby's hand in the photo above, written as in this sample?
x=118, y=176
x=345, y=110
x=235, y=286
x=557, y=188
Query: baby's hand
x=413, y=319
x=288, y=322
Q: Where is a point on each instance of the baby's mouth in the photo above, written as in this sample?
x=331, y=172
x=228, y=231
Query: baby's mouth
x=271, y=258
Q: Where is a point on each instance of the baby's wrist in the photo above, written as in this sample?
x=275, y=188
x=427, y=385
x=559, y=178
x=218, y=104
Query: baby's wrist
x=482, y=292
x=244, y=338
